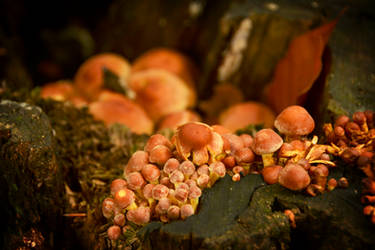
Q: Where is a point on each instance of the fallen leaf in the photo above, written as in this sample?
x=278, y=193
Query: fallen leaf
x=296, y=72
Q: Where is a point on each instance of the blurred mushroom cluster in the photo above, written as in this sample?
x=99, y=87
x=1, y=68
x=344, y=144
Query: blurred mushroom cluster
x=353, y=140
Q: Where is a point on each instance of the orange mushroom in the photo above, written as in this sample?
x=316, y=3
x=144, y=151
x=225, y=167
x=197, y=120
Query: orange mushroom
x=265, y=143
x=176, y=119
x=294, y=177
x=242, y=114
x=199, y=141
x=294, y=121
x=122, y=111
x=59, y=91
x=161, y=93
x=169, y=60
x=89, y=78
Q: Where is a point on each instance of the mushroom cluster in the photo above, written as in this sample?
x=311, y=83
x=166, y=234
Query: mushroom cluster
x=159, y=86
x=353, y=140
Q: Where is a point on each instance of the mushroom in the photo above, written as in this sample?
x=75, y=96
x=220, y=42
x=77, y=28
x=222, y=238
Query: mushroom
x=160, y=154
x=194, y=194
x=173, y=212
x=243, y=114
x=135, y=181
x=169, y=60
x=122, y=111
x=271, y=174
x=186, y=210
x=162, y=206
x=161, y=93
x=114, y=232
x=294, y=121
x=155, y=140
x=199, y=141
x=108, y=207
x=151, y=173
x=176, y=119
x=59, y=91
x=176, y=177
x=119, y=219
x=160, y=191
x=89, y=79
x=217, y=170
x=294, y=177
x=118, y=184
x=265, y=143
x=171, y=165
x=136, y=162
x=125, y=198
x=187, y=168
x=147, y=193
x=139, y=216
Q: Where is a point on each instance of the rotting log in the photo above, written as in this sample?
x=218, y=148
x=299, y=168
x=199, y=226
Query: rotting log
x=31, y=185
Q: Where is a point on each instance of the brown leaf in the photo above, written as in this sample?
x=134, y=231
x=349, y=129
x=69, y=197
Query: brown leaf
x=301, y=66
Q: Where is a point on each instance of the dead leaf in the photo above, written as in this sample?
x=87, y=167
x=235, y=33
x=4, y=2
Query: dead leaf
x=301, y=66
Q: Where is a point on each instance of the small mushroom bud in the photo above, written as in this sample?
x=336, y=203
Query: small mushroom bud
x=235, y=142
x=238, y=170
x=194, y=194
x=203, y=169
x=160, y=154
x=368, y=210
x=191, y=182
x=304, y=163
x=176, y=177
x=187, y=168
x=325, y=157
x=331, y=184
x=139, y=216
x=294, y=177
x=155, y=140
x=135, y=181
x=147, y=193
x=125, y=198
x=151, y=173
x=173, y=212
x=186, y=210
x=271, y=174
x=108, y=207
x=247, y=140
x=342, y=120
x=136, y=162
x=236, y=177
x=118, y=184
x=119, y=219
x=339, y=132
x=343, y=182
x=244, y=155
x=166, y=182
x=291, y=217
x=203, y=180
x=162, y=206
x=217, y=170
x=160, y=191
x=171, y=165
x=114, y=232
x=181, y=194
x=229, y=162
x=314, y=189
x=359, y=117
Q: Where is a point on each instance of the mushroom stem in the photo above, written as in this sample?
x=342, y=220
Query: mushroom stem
x=194, y=203
x=268, y=160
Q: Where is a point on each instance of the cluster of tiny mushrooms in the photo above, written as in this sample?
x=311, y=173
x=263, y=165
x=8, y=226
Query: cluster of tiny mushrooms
x=164, y=181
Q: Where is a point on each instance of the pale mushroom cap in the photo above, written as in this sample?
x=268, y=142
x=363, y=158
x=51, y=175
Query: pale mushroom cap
x=266, y=141
x=167, y=59
x=294, y=120
x=89, y=77
x=161, y=93
x=122, y=111
x=139, y=216
x=294, y=177
x=242, y=114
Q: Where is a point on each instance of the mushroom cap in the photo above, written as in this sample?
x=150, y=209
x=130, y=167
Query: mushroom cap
x=122, y=111
x=151, y=172
x=294, y=177
x=114, y=232
x=176, y=119
x=160, y=92
x=124, y=197
x=271, y=174
x=194, y=135
x=89, y=77
x=118, y=184
x=139, y=216
x=266, y=141
x=294, y=120
x=169, y=60
x=242, y=114
x=186, y=210
x=59, y=91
